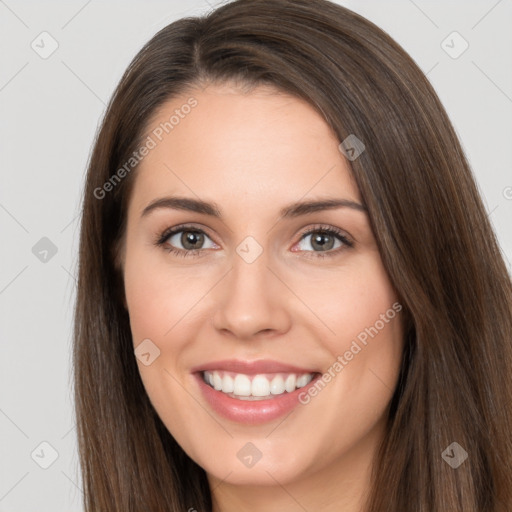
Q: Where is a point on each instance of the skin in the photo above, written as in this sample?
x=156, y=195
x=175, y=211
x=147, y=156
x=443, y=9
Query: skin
x=252, y=153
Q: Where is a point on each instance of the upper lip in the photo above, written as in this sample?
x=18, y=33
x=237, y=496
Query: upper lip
x=251, y=367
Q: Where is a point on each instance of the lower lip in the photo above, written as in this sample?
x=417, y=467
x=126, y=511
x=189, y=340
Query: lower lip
x=251, y=412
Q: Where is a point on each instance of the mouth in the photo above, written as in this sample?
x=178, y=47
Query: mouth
x=255, y=387
x=253, y=392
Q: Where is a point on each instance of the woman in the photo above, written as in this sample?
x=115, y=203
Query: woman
x=290, y=296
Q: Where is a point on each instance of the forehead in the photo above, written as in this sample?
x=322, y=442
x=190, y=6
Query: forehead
x=262, y=148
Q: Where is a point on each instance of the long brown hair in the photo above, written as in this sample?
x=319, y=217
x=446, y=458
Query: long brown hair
x=431, y=227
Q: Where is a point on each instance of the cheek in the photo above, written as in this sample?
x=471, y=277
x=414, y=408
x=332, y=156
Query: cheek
x=368, y=342
x=157, y=300
x=366, y=354
x=156, y=297
x=356, y=302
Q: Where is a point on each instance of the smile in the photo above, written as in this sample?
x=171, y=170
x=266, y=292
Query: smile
x=255, y=387
x=252, y=392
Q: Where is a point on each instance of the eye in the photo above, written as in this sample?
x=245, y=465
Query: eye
x=324, y=239
x=190, y=241
x=185, y=240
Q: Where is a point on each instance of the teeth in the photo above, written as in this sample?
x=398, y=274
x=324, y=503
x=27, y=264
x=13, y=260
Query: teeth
x=238, y=385
x=228, y=385
x=217, y=381
x=277, y=385
x=303, y=380
x=242, y=385
x=260, y=386
x=289, y=383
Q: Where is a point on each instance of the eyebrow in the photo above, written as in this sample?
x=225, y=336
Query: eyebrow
x=291, y=211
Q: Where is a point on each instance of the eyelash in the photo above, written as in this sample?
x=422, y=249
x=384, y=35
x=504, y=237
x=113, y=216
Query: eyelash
x=329, y=230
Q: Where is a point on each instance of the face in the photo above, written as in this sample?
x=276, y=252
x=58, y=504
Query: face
x=285, y=311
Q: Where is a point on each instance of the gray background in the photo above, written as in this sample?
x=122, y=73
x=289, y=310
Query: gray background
x=50, y=109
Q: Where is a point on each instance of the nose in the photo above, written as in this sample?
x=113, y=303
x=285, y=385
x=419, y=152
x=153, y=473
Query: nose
x=252, y=301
